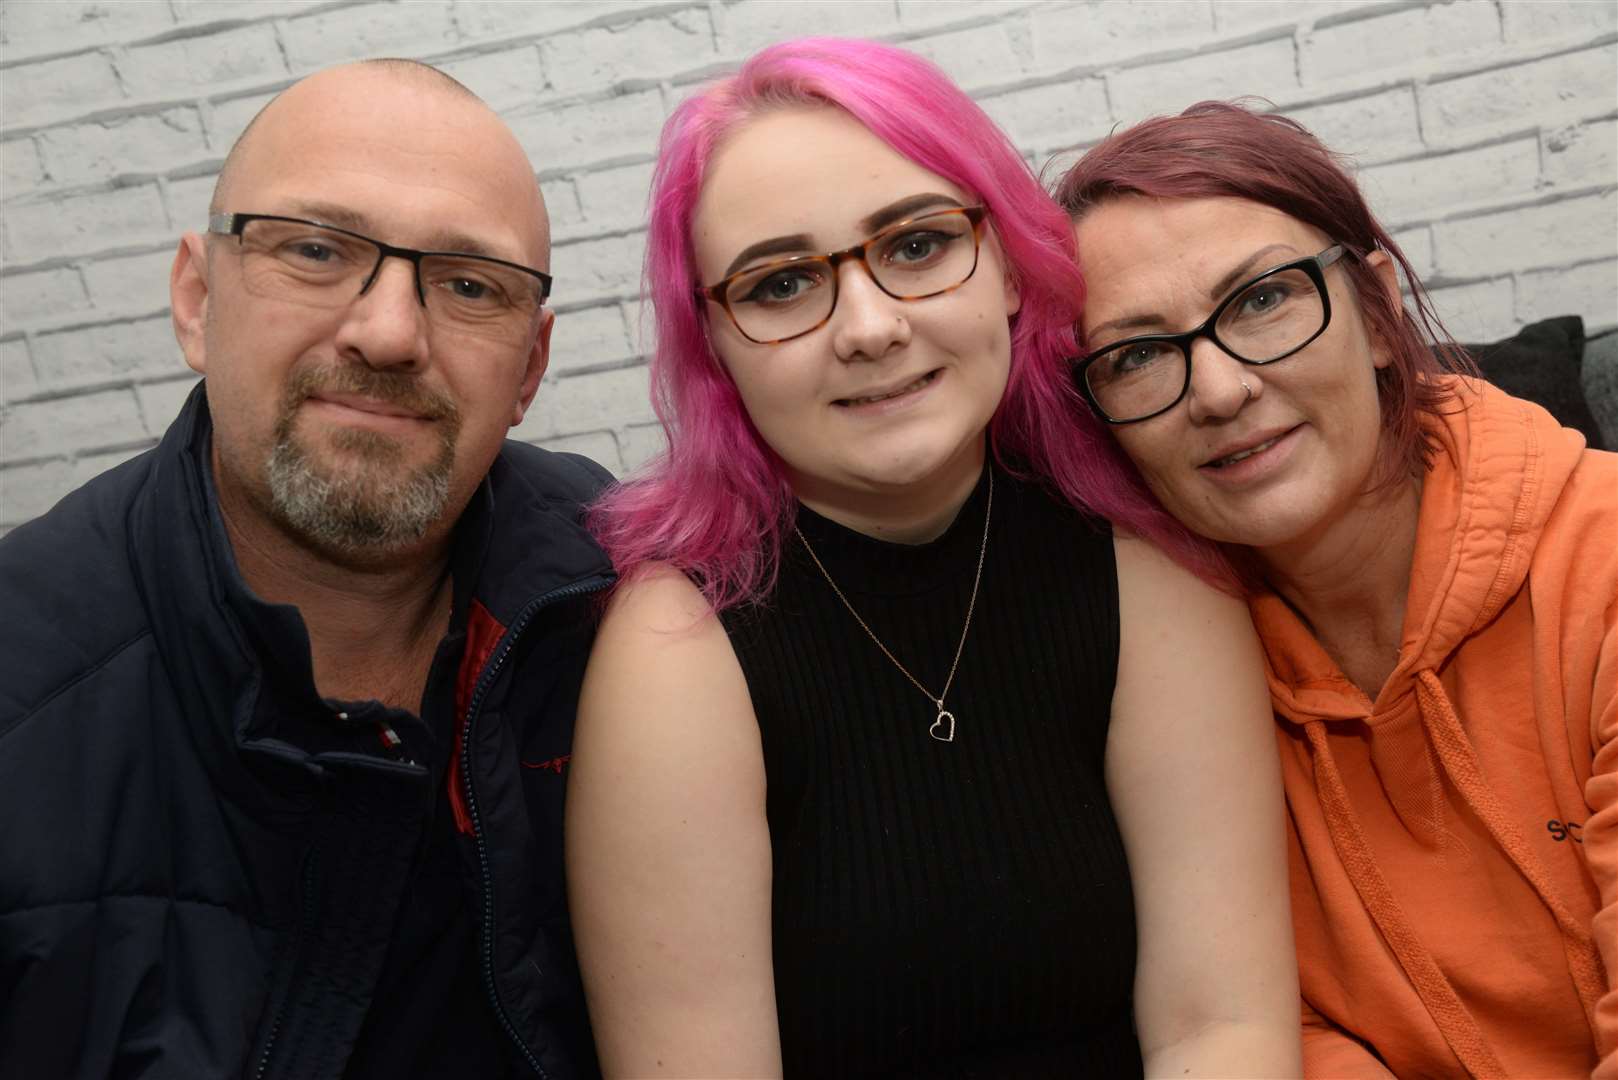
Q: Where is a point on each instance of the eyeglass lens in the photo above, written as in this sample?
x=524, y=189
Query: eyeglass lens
x=1262, y=321
x=316, y=267
x=916, y=259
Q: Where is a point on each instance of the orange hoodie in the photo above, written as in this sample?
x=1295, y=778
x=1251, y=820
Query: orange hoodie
x=1454, y=845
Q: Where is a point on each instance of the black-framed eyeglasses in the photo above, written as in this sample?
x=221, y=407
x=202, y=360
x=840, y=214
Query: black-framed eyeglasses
x=911, y=260
x=323, y=266
x=1266, y=318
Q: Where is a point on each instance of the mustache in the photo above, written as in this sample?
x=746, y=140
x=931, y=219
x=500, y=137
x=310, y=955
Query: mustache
x=393, y=387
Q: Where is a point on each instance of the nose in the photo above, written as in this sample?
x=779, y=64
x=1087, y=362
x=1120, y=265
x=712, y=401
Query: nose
x=866, y=323
x=1220, y=383
x=385, y=327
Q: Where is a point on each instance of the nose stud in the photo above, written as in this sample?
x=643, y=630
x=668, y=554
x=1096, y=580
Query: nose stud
x=1249, y=391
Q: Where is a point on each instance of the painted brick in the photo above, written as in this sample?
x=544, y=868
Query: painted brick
x=1100, y=33
x=1528, y=238
x=203, y=11
x=644, y=49
x=1571, y=85
x=1478, y=311
x=230, y=118
x=752, y=24
x=1372, y=128
x=42, y=26
x=1059, y=115
x=615, y=198
x=187, y=201
x=588, y=336
x=54, y=88
x=608, y=267
x=599, y=446
x=95, y=352
x=130, y=285
x=1242, y=16
x=1576, y=155
x=1408, y=190
x=1265, y=69
x=562, y=204
x=1590, y=290
x=87, y=467
x=1527, y=20
x=16, y=370
x=202, y=63
x=587, y=132
x=88, y=222
x=483, y=19
x=1417, y=245
x=27, y=299
x=640, y=443
x=586, y=403
x=149, y=143
x=160, y=402
x=27, y=491
x=505, y=79
x=1400, y=39
x=66, y=425
x=20, y=167
x=419, y=29
x=933, y=12
x=976, y=57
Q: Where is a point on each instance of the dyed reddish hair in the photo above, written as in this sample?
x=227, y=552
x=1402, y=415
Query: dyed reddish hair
x=1218, y=148
x=716, y=504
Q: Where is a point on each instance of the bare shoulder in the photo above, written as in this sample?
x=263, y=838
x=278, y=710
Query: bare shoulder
x=1152, y=586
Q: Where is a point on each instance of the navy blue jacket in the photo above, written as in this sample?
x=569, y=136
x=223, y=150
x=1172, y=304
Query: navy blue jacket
x=201, y=861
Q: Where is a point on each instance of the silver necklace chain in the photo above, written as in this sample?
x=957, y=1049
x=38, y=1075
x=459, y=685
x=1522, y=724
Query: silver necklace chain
x=943, y=727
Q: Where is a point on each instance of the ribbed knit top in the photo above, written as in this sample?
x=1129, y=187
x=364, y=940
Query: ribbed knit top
x=946, y=908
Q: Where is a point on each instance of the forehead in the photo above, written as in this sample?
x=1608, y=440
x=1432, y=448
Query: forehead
x=408, y=161
x=802, y=169
x=1137, y=251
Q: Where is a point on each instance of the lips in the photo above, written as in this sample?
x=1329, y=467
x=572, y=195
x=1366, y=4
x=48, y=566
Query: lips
x=366, y=404
x=1245, y=449
x=885, y=395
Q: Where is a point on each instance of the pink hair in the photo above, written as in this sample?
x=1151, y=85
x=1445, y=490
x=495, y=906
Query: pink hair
x=716, y=504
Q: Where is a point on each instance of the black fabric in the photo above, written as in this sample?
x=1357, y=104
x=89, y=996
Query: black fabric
x=208, y=870
x=1542, y=362
x=959, y=909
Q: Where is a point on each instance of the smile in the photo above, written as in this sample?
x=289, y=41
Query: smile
x=1243, y=454
x=907, y=388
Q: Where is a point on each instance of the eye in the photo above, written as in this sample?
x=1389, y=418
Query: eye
x=1264, y=298
x=917, y=248
x=781, y=287
x=1135, y=357
x=467, y=289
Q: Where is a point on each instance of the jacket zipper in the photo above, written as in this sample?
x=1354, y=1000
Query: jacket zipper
x=305, y=907
x=486, y=680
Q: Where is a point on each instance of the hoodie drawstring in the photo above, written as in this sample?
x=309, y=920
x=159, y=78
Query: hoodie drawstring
x=1455, y=751
x=1456, y=1024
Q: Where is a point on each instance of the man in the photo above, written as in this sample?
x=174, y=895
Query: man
x=286, y=701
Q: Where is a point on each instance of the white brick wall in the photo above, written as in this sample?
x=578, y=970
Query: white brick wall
x=1485, y=132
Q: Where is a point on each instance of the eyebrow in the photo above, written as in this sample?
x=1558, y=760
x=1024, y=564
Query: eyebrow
x=1217, y=292
x=445, y=240
x=800, y=243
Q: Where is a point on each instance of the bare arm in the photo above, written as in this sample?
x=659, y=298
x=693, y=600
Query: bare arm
x=1194, y=781
x=668, y=849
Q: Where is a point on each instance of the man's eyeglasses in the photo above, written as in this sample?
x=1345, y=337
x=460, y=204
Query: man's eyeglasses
x=322, y=266
x=915, y=259
x=1265, y=319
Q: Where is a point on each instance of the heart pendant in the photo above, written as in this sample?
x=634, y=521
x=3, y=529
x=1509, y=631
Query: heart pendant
x=943, y=728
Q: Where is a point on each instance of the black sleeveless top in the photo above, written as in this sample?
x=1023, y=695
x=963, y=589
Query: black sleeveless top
x=946, y=909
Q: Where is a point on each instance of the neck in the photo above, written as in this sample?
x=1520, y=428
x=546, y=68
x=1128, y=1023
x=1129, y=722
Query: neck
x=912, y=513
x=1349, y=582
x=374, y=625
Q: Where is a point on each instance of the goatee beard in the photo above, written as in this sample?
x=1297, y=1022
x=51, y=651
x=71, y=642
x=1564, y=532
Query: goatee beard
x=360, y=501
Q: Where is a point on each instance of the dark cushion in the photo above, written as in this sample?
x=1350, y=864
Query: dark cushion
x=1542, y=362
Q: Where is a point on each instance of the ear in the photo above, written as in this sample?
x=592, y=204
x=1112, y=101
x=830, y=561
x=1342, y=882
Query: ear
x=1387, y=277
x=188, y=299
x=539, y=358
x=1013, y=294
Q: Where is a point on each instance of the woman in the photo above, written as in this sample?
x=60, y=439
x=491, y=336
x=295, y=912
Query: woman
x=1433, y=566
x=859, y=822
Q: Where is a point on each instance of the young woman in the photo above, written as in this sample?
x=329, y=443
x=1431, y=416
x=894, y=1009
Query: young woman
x=1434, y=571
x=889, y=760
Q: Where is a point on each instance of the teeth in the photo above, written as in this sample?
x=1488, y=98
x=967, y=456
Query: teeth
x=1234, y=458
x=892, y=394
